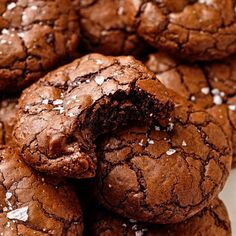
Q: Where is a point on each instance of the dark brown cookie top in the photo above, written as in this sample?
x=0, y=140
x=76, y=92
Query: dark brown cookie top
x=197, y=30
x=62, y=114
x=34, y=37
x=209, y=85
x=108, y=27
x=8, y=110
x=164, y=175
x=31, y=204
x=211, y=221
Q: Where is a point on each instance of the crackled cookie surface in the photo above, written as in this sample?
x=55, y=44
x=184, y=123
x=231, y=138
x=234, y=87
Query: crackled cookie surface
x=164, y=175
x=62, y=114
x=8, y=110
x=108, y=26
x=198, y=29
x=209, y=85
x=34, y=37
x=35, y=205
x=211, y=221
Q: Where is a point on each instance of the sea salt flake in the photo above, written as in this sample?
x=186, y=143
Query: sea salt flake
x=120, y=11
x=205, y=90
x=217, y=100
x=34, y=8
x=45, y=101
x=150, y=141
x=3, y=41
x=170, y=152
x=57, y=102
x=19, y=214
x=232, y=107
x=193, y=98
x=184, y=144
x=8, y=195
x=132, y=221
x=157, y=128
x=139, y=233
x=98, y=62
x=11, y=5
x=141, y=143
x=99, y=79
x=215, y=91
x=21, y=34
x=5, y=31
x=170, y=126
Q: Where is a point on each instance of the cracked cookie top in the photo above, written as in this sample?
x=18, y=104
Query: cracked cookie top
x=212, y=220
x=196, y=30
x=34, y=37
x=62, y=114
x=209, y=85
x=108, y=27
x=165, y=175
x=8, y=110
x=31, y=204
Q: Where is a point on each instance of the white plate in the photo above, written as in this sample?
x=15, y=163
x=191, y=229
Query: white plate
x=229, y=197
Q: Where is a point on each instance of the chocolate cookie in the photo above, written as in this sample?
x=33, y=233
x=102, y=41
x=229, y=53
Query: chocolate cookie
x=211, y=221
x=34, y=37
x=35, y=205
x=62, y=114
x=197, y=30
x=209, y=85
x=108, y=27
x=8, y=110
x=164, y=175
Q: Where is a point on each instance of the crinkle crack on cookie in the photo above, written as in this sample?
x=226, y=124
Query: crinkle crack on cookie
x=62, y=114
x=34, y=37
x=213, y=220
x=210, y=85
x=33, y=204
x=166, y=175
x=196, y=30
x=109, y=27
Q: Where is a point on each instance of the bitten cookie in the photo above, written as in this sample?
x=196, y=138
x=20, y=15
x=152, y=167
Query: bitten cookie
x=62, y=114
x=211, y=221
x=31, y=204
x=108, y=27
x=197, y=30
x=209, y=85
x=8, y=110
x=34, y=37
x=164, y=175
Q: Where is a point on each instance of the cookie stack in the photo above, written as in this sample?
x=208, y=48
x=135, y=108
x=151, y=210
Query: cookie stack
x=117, y=117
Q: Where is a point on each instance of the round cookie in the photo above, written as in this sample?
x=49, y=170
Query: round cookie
x=196, y=30
x=62, y=114
x=35, y=205
x=211, y=221
x=113, y=31
x=8, y=110
x=34, y=37
x=209, y=85
x=164, y=175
